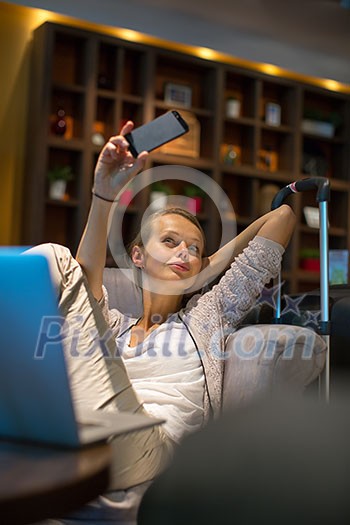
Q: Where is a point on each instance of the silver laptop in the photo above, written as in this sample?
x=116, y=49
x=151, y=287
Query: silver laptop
x=35, y=398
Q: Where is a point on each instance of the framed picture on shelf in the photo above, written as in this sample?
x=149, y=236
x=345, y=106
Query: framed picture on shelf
x=178, y=95
x=338, y=266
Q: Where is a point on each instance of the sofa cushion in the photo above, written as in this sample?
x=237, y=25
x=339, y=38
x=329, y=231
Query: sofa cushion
x=123, y=293
x=260, y=359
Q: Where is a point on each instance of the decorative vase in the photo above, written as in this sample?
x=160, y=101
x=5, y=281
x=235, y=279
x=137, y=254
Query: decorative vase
x=194, y=205
x=158, y=200
x=57, y=189
x=233, y=108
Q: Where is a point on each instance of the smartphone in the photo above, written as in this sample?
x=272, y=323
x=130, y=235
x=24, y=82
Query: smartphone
x=159, y=131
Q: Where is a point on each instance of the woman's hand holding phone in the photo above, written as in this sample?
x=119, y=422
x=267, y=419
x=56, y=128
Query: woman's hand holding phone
x=116, y=165
x=125, y=154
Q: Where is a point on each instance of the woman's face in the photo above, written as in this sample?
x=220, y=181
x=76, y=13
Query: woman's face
x=173, y=251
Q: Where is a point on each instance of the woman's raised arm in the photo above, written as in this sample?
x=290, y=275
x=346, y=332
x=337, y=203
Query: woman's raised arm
x=277, y=225
x=114, y=168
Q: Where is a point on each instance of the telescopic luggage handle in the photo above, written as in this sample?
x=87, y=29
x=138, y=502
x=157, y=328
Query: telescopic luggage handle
x=323, y=196
x=312, y=183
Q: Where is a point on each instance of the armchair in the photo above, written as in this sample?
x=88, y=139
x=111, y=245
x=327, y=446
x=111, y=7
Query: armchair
x=259, y=359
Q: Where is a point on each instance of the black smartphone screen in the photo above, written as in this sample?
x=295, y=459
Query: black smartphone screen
x=150, y=136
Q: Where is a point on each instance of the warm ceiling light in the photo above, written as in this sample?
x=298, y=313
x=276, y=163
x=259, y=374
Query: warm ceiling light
x=206, y=53
x=129, y=34
x=332, y=85
x=270, y=69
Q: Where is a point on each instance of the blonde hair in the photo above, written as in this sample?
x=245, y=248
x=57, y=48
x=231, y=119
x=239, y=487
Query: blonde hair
x=146, y=230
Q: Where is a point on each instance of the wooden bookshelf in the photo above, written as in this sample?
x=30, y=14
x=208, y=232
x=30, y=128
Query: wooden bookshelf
x=101, y=81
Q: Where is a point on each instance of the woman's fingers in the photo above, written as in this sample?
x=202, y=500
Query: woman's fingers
x=128, y=126
x=115, y=150
x=117, y=155
x=119, y=142
x=143, y=156
x=141, y=159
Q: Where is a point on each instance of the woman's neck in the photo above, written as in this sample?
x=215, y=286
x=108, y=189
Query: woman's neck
x=157, y=308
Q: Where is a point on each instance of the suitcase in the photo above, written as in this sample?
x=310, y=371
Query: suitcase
x=306, y=312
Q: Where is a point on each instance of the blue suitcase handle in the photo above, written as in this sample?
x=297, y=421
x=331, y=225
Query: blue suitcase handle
x=319, y=183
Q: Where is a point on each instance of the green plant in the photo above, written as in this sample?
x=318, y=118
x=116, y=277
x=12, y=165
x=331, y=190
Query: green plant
x=309, y=253
x=60, y=173
x=161, y=187
x=193, y=191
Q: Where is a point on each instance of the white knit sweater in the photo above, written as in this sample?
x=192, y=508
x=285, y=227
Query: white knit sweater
x=212, y=316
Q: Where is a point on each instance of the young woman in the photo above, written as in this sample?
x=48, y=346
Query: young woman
x=169, y=362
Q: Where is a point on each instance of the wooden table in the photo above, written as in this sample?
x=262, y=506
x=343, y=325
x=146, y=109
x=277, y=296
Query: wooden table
x=38, y=482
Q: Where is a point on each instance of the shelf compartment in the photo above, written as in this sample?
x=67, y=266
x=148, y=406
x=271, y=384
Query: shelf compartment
x=63, y=157
x=337, y=209
x=282, y=95
x=177, y=186
x=309, y=237
x=131, y=111
x=326, y=108
x=189, y=73
x=73, y=105
x=134, y=72
x=324, y=159
x=242, y=138
x=241, y=192
x=206, y=137
x=61, y=225
x=68, y=59
x=104, y=122
x=338, y=243
x=276, y=151
x=243, y=89
x=107, y=67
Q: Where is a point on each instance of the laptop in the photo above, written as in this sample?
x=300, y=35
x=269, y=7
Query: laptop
x=35, y=399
